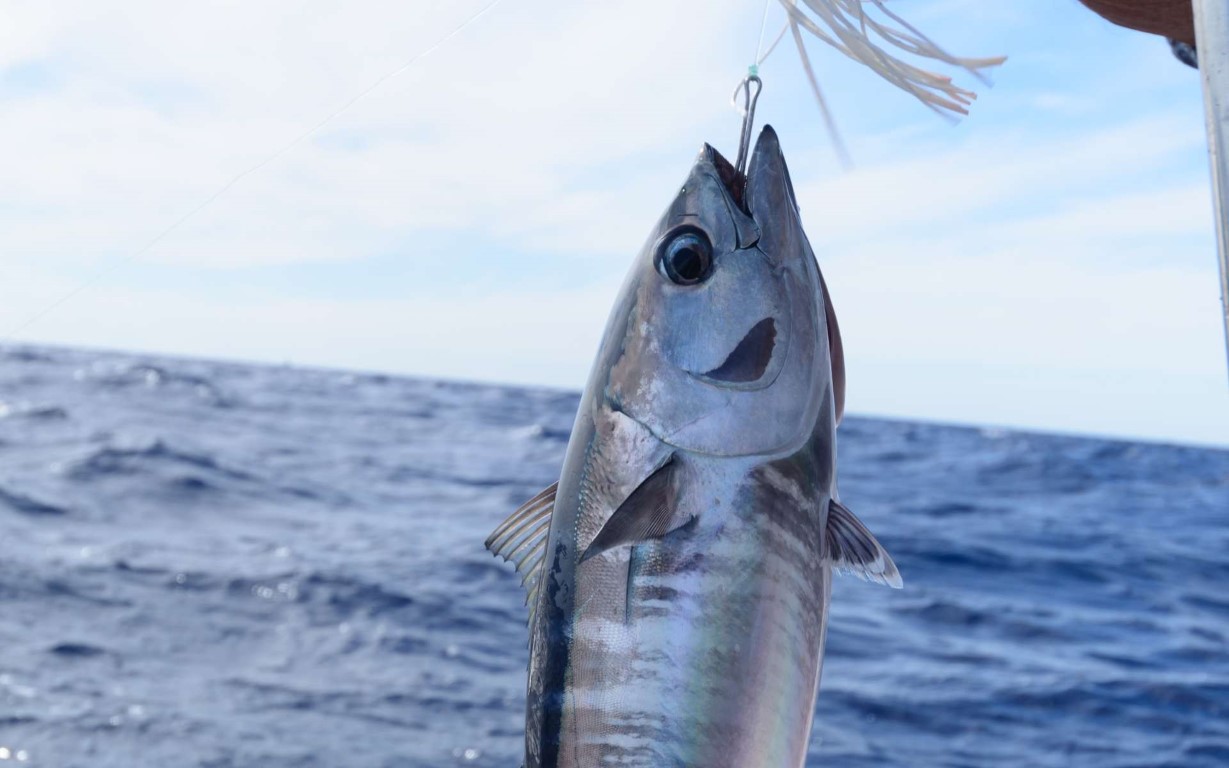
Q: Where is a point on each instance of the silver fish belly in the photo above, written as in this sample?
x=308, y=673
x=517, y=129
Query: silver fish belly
x=679, y=572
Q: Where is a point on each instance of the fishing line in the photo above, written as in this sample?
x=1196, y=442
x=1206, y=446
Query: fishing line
x=834, y=134
x=763, y=24
x=776, y=41
x=107, y=269
x=752, y=78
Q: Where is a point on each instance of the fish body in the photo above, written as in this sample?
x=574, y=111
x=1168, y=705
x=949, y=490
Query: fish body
x=679, y=572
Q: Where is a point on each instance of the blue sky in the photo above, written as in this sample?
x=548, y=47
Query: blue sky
x=1046, y=263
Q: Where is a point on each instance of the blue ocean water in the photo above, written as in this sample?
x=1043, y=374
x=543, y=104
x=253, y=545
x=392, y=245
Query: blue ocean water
x=212, y=564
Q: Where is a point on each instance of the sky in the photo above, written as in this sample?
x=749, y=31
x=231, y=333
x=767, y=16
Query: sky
x=1047, y=263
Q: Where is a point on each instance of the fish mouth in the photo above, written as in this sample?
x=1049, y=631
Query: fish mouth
x=749, y=360
x=735, y=183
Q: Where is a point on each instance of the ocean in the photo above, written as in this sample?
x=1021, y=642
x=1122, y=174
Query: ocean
x=213, y=564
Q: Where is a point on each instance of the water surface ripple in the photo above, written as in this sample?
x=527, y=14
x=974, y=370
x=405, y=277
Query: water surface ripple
x=215, y=565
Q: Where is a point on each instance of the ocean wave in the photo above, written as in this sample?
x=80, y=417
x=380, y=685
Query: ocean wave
x=109, y=461
x=28, y=505
x=297, y=578
x=148, y=376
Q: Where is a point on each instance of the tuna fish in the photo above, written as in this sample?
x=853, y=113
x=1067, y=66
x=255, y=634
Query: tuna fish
x=679, y=572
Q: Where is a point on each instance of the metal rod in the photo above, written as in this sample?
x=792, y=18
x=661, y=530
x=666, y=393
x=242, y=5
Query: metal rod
x=1212, y=42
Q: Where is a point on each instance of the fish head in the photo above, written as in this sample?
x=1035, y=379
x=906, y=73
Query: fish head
x=723, y=341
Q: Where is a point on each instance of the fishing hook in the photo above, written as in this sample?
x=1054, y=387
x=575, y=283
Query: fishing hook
x=748, y=110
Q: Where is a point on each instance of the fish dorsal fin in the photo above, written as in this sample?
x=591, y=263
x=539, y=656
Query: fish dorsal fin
x=650, y=512
x=854, y=549
x=521, y=539
x=836, y=350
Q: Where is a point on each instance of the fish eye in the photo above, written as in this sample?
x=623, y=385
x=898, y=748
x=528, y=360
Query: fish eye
x=685, y=257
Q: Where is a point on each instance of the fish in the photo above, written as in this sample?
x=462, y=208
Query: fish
x=678, y=574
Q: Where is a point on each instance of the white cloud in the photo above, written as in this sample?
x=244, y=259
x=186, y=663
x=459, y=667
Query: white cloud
x=523, y=336
x=1048, y=269
x=952, y=187
x=497, y=142
x=1039, y=286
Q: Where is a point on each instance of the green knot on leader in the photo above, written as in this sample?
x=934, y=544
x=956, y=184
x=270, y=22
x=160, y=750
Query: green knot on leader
x=749, y=89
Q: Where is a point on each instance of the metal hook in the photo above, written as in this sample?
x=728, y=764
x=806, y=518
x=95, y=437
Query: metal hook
x=748, y=111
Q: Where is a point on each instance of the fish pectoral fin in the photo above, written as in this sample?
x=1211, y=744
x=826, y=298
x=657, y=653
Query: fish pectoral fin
x=649, y=512
x=854, y=549
x=521, y=539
